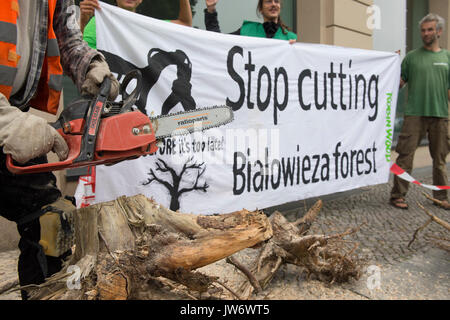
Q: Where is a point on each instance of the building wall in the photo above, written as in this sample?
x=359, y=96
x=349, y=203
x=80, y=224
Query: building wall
x=390, y=34
x=335, y=22
x=442, y=8
x=417, y=9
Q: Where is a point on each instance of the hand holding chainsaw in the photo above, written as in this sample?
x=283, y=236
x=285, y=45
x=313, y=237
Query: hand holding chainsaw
x=25, y=136
x=98, y=71
x=99, y=131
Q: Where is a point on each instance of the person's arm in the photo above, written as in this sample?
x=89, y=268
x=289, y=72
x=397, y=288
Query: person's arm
x=85, y=66
x=404, y=70
x=211, y=21
x=448, y=93
x=185, y=14
x=402, y=83
x=87, y=8
x=75, y=53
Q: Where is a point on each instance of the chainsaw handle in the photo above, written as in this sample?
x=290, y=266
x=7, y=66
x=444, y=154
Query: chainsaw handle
x=73, y=142
x=105, y=87
x=93, y=122
x=130, y=99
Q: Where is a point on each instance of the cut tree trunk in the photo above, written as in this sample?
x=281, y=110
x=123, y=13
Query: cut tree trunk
x=123, y=244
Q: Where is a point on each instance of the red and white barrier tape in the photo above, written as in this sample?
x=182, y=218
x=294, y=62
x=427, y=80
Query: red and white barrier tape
x=399, y=172
x=88, y=191
x=88, y=182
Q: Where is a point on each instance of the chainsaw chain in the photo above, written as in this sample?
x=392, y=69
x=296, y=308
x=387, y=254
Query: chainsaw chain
x=203, y=128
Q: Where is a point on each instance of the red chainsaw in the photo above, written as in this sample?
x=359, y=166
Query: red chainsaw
x=98, y=131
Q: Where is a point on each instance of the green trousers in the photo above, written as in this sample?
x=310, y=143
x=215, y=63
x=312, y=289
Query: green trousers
x=413, y=131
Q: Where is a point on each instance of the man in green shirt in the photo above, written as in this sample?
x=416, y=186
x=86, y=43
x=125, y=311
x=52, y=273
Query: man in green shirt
x=87, y=18
x=426, y=71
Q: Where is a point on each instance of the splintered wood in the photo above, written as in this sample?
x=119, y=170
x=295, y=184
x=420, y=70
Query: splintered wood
x=127, y=247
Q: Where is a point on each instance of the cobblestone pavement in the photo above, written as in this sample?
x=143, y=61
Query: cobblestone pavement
x=8, y=274
x=421, y=271
x=385, y=231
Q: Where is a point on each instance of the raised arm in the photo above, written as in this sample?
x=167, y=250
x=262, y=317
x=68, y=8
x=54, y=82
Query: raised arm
x=87, y=8
x=185, y=14
x=211, y=21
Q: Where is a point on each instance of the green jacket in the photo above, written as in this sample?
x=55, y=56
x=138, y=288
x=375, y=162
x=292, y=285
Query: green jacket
x=89, y=33
x=256, y=29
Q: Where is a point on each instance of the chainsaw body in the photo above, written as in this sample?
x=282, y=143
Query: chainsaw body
x=98, y=131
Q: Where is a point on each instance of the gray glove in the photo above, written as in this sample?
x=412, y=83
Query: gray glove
x=25, y=136
x=98, y=70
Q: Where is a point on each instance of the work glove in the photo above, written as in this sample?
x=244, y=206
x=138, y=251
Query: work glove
x=98, y=70
x=25, y=136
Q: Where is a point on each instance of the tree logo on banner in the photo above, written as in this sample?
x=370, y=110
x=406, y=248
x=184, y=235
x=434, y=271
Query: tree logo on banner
x=175, y=187
x=158, y=60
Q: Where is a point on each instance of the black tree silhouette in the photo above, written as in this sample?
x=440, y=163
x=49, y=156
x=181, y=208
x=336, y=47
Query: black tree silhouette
x=177, y=179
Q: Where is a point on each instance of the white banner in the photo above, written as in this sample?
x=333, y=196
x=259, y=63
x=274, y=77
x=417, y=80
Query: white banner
x=310, y=120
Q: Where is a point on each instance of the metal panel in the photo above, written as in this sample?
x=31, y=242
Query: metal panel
x=8, y=32
x=7, y=75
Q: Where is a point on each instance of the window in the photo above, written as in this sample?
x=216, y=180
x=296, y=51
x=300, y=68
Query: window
x=289, y=14
x=417, y=9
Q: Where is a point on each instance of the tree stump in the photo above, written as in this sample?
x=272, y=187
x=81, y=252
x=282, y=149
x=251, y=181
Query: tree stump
x=123, y=244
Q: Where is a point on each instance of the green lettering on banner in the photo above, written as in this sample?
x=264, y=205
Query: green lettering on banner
x=389, y=128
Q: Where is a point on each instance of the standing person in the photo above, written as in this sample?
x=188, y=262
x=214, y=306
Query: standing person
x=42, y=34
x=272, y=27
x=87, y=18
x=426, y=71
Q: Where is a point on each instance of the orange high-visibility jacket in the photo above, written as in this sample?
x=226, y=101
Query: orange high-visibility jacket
x=50, y=83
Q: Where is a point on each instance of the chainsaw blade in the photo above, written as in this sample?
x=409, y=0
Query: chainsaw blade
x=187, y=122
